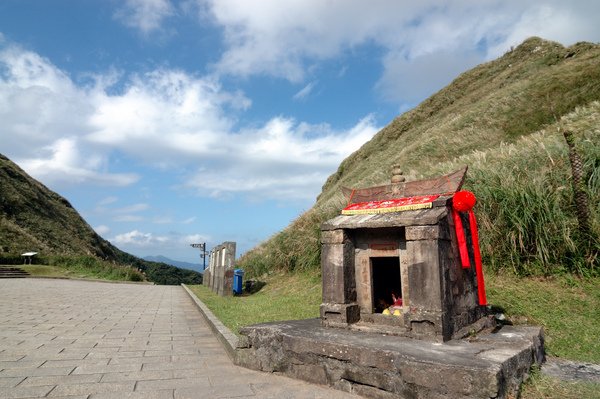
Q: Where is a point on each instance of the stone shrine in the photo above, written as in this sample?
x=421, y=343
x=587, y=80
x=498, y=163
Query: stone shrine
x=404, y=314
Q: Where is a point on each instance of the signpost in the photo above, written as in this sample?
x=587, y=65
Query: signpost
x=202, y=248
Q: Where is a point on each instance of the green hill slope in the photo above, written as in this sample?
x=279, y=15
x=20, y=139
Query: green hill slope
x=34, y=218
x=503, y=119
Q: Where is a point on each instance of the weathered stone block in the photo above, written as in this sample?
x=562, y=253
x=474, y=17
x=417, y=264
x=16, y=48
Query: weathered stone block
x=333, y=237
x=315, y=374
x=337, y=313
x=425, y=286
x=337, y=262
x=426, y=233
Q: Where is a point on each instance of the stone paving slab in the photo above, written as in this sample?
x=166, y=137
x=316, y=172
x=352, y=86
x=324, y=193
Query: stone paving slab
x=89, y=340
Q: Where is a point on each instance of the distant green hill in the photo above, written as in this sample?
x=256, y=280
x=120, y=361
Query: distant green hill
x=34, y=218
x=176, y=263
x=503, y=119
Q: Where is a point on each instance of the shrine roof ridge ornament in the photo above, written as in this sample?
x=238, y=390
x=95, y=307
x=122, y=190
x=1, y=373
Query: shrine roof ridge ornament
x=447, y=184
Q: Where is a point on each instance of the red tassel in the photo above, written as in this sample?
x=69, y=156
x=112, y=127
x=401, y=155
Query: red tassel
x=462, y=241
x=477, y=255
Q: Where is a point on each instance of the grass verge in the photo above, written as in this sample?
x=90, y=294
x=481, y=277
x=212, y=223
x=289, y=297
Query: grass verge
x=543, y=387
x=567, y=307
x=47, y=271
x=93, y=268
x=86, y=267
x=284, y=297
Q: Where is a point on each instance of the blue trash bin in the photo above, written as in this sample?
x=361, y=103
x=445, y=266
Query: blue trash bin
x=238, y=276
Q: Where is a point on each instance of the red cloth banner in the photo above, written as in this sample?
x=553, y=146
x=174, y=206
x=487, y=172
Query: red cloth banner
x=392, y=205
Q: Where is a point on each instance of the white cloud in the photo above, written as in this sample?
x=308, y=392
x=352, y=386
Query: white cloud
x=64, y=160
x=128, y=213
x=305, y=91
x=108, y=200
x=283, y=38
x=283, y=159
x=145, y=15
x=44, y=115
x=193, y=239
x=163, y=118
x=138, y=239
x=165, y=115
x=133, y=208
x=128, y=218
x=102, y=229
x=171, y=119
x=565, y=22
x=162, y=220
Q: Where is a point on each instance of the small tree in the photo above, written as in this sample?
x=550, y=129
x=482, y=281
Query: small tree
x=582, y=206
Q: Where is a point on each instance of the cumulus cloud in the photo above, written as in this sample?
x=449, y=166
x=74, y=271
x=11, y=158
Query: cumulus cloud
x=164, y=115
x=44, y=115
x=67, y=133
x=163, y=118
x=282, y=159
x=138, y=239
x=565, y=22
x=145, y=15
x=284, y=38
x=64, y=159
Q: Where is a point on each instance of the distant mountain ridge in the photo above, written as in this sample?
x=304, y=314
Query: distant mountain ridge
x=35, y=218
x=172, y=262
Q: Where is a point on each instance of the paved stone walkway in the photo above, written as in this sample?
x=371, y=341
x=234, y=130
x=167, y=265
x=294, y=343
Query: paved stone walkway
x=87, y=340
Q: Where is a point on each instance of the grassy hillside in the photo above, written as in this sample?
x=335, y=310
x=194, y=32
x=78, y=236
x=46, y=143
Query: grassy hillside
x=503, y=119
x=34, y=218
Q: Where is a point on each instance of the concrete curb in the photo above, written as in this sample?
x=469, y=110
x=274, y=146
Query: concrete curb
x=224, y=334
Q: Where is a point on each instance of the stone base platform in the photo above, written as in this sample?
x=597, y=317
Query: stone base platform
x=489, y=365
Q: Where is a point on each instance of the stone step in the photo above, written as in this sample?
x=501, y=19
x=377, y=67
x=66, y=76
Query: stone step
x=12, y=272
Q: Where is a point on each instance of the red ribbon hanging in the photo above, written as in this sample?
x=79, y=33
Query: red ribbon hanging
x=477, y=254
x=464, y=201
x=462, y=241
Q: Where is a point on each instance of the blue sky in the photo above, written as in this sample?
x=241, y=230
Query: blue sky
x=169, y=122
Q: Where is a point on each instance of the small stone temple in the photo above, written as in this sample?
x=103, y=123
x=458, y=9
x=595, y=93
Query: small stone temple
x=404, y=312
x=371, y=261
x=218, y=276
